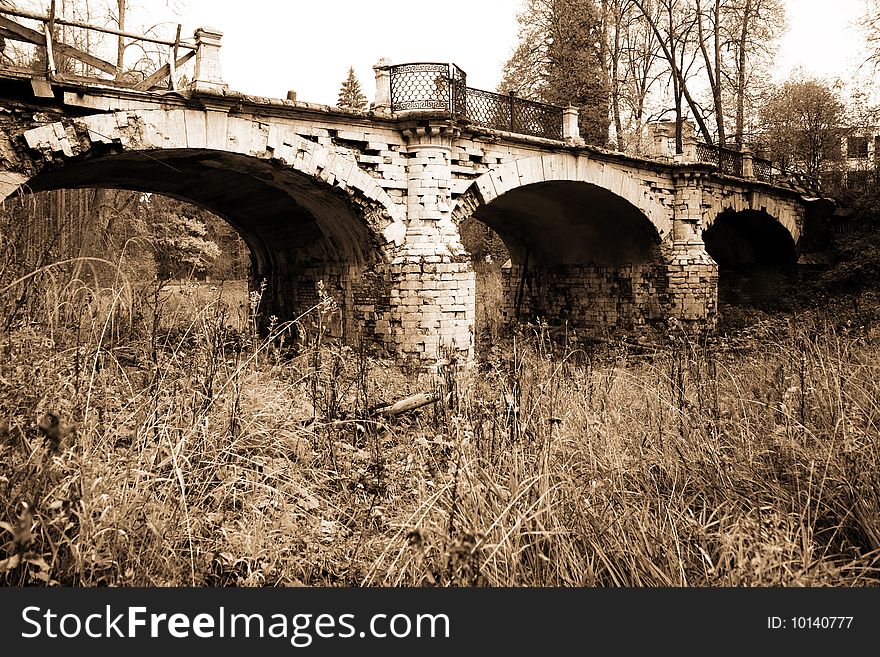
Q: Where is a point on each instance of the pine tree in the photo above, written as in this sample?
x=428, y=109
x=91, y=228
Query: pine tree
x=350, y=94
x=561, y=59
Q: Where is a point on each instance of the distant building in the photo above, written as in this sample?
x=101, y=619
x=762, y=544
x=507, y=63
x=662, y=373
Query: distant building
x=858, y=162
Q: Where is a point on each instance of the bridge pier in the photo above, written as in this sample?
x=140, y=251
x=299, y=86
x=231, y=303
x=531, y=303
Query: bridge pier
x=432, y=283
x=693, y=274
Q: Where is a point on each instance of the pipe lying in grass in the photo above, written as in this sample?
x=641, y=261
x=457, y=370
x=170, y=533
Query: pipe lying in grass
x=406, y=404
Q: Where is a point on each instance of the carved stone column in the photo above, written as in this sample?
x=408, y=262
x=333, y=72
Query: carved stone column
x=693, y=274
x=432, y=286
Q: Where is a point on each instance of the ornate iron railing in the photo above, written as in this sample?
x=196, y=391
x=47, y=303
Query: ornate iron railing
x=433, y=86
x=514, y=114
x=727, y=160
x=428, y=86
x=763, y=169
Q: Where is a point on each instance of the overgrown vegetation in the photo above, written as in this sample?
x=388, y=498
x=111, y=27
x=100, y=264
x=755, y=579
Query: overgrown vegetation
x=152, y=441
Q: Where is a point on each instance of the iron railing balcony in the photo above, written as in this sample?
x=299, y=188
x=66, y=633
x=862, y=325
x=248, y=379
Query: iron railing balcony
x=443, y=87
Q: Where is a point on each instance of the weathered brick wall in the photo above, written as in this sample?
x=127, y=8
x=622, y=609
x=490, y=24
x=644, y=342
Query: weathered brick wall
x=587, y=296
x=360, y=299
x=408, y=182
x=692, y=293
x=432, y=309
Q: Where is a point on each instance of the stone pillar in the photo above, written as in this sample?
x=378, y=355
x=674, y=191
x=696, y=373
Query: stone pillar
x=382, y=100
x=748, y=164
x=693, y=274
x=658, y=137
x=432, y=277
x=689, y=145
x=571, y=132
x=207, y=75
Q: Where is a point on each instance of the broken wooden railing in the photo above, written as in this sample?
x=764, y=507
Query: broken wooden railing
x=52, y=47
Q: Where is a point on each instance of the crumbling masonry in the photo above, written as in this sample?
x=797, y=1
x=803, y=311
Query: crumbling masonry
x=370, y=203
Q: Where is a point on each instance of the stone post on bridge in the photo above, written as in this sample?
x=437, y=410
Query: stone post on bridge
x=748, y=163
x=382, y=99
x=207, y=75
x=693, y=274
x=432, y=277
x=571, y=132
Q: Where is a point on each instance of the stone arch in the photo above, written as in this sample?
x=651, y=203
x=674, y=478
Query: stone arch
x=584, y=239
x=563, y=167
x=787, y=212
x=146, y=131
x=755, y=252
x=306, y=213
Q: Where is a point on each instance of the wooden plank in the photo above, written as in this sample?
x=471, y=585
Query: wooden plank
x=41, y=88
x=408, y=404
x=22, y=33
x=7, y=34
x=12, y=11
x=172, y=61
x=163, y=72
x=50, y=55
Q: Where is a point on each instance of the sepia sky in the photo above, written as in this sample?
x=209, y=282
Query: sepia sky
x=272, y=46
x=822, y=37
x=308, y=45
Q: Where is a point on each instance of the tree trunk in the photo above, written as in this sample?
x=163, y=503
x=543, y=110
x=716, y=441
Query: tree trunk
x=615, y=79
x=741, y=76
x=676, y=72
x=713, y=64
x=120, y=43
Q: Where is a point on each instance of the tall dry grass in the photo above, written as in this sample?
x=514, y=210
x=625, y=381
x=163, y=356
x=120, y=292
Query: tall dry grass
x=150, y=441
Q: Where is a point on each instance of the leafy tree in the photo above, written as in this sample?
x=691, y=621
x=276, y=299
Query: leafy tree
x=801, y=125
x=179, y=237
x=350, y=94
x=561, y=59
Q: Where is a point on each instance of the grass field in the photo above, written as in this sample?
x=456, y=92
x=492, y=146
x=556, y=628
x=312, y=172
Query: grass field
x=151, y=438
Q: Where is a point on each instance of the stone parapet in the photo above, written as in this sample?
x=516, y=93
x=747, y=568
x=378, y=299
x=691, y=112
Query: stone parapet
x=207, y=75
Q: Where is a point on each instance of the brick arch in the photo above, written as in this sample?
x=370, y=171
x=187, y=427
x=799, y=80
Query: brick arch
x=563, y=167
x=788, y=213
x=307, y=213
x=169, y=130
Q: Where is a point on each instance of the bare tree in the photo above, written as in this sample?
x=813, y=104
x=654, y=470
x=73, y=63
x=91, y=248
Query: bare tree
x=732, y=39
x=749, y=32
x=642, y=53
x=632, y=54
x=709, y=20
x=673, y=23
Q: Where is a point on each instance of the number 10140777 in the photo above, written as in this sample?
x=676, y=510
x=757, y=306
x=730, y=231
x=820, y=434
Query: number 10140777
x=810, y=622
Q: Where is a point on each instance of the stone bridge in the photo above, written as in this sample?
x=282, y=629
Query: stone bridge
x=371, y=202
